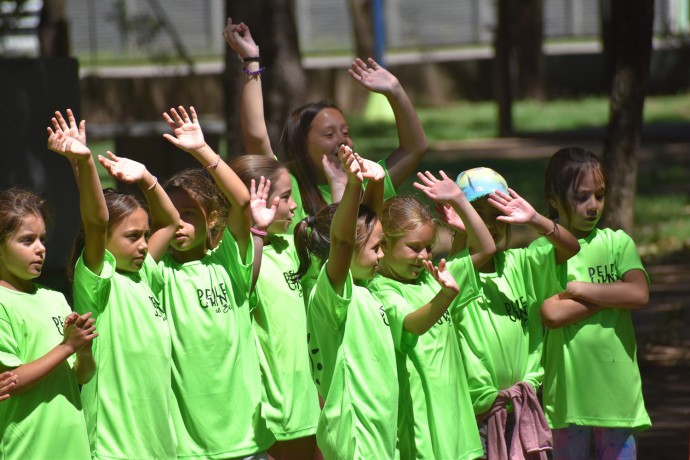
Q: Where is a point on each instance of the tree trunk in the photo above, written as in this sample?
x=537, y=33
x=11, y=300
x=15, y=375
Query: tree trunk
x=363, y=33
x=502, y=68
x=362, y=27
x=273, y=27
x=530, y=57
x=631, y=45
x=53, y=35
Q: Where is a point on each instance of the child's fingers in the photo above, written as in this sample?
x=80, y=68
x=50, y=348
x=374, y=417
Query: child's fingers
x=252, y=189
x=184, y=114
x=176, y=117
x=169, y=120
x=443, y=175
x=193, y=114
x=61, y=121
x=71, y=119
x=172, y=139
x=374, y=65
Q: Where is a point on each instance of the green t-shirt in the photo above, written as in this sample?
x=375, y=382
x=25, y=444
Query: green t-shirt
x=291, y=404
x=127, y=402
x=433, y=387
x=500, y=333
x=591, y=374
x=45, y=421
x=300, y=213
x=352, y=345
x=216, y=377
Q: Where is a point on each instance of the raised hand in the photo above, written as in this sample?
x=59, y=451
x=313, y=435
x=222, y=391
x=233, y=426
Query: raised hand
x=444, y=278
x=8, y=380
x=350, y=164
x=441, y=191
x=448, y=215
x=187, y=131
x=73, y=130
x=240, y=40
x=79, y=331
x=69, y=147
x=516, y=209
x=370, y=169
x=262, y=216
x=373, y=77
x=123, y=169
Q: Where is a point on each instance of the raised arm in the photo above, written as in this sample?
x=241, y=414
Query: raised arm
x=165, y=217
x=70, y=141
x=344, y=226
x=262, y=217
x=423, y=318
x=446, y=191
x=517, y=210
x=78, y=332
x=373, y=194
x=630, y=293
x=189, y=137
x=412, y=147
x=254, y=132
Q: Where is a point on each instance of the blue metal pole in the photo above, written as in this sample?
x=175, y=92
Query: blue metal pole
x=379, y=21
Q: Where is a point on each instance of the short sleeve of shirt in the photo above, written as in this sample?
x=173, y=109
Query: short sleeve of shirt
x=547, y=277
x=90, y=289
x=626, y=254
x=326, y=304
x=9, y=348
x=151, y=272
x=239, y=269
x=461, y=268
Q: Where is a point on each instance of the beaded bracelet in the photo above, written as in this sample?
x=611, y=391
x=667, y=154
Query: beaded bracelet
x=252, y=73
x=258, y=232
x=252, y=59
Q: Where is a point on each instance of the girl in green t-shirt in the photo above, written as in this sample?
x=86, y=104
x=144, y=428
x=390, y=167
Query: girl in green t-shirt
x=592, y=385
x=314, y=132
x=127, y=403
x=290, y=400
x=500, y=332
x=433, y=386
x=39, y=339
x=207, y=273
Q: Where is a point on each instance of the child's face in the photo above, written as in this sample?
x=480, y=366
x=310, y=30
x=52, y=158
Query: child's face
x=327, y=132
x=403, y=257
x=489, y=214
x=22, y=254
x=364, y=263
x=128, y=241
x=190, y=237
x=282, y=188
x=586, y=205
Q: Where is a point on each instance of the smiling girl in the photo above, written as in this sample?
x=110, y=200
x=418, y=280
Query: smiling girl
x=313, y=133
x=433, y=387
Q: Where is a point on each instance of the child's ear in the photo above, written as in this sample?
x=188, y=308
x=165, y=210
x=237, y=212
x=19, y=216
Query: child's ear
x=212, y=219
x=553, y=203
